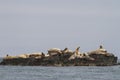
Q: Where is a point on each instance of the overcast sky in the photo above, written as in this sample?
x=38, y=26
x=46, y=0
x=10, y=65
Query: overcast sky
x=28, y=26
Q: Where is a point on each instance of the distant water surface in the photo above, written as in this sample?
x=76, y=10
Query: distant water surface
x=59, y=73
x=1, y=59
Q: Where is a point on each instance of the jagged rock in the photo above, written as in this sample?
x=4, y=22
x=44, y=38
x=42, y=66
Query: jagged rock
x=66, y=57
x=102, y=57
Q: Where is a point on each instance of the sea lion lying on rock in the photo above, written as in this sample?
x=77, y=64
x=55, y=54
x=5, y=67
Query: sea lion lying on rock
x=37, y=55
x=19, y=56
x=23, y=56
x=76, y=54
x=9, y=57
x=66, y=51
x=32, y=55
x=54, y=51
x=101, y=50
x=79, y=55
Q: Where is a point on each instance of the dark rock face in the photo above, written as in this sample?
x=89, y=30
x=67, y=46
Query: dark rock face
x=104, y=60
x=63, y=60
x=94, y=58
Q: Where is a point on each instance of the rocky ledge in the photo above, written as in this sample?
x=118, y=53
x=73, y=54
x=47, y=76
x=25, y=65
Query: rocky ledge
x=66, y=57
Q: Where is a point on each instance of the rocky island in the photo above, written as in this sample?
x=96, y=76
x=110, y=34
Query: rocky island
x=66, y=57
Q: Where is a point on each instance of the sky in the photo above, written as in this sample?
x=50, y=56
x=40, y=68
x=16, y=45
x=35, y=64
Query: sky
x=28, y=26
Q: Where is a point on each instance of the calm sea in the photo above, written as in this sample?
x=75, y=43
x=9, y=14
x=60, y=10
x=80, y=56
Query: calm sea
x=59, y=73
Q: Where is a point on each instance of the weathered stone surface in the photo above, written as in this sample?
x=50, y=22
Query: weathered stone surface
x=99, y=57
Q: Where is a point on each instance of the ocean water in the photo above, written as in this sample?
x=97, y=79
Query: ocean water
x=1, y=59
x=59, y=73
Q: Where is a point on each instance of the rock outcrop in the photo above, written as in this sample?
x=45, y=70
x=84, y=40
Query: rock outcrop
x=66, y=57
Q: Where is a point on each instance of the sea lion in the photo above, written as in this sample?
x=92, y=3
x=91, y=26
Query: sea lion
x=36, y=55
x=67, y=51
x=22, y=56
x=54, y=51
x=7, y=55
x=102, y=49
x=77, y=50
x=86, y=56
x=76, y=54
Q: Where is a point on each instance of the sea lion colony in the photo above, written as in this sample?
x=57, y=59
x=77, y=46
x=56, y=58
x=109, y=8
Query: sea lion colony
x=57, y=51
x=56, y=56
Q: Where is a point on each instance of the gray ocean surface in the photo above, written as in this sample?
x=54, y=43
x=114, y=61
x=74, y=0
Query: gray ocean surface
x=59, y=73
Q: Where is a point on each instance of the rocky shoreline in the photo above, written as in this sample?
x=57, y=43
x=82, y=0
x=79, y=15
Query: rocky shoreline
x=66, y=57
